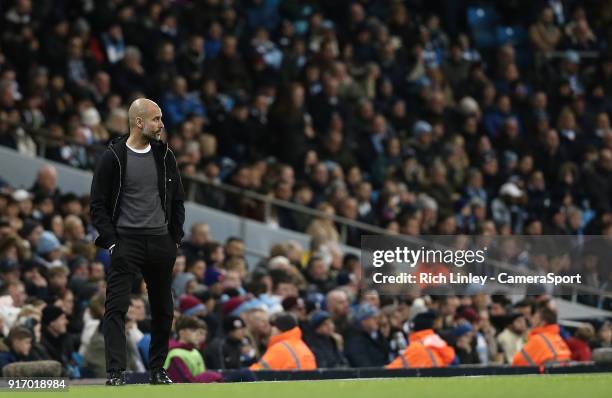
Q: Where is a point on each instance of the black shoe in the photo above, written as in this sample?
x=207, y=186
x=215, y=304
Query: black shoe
x=159, y=376
x=116, y=378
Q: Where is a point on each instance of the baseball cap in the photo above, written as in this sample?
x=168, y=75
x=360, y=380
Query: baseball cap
x=318, y=318
x=364, y=311
x=232, y=323
x=421, y=127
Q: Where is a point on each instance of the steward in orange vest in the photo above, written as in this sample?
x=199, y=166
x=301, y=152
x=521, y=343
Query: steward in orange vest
x=286, y=349
x=426, y=348
x=544, y=345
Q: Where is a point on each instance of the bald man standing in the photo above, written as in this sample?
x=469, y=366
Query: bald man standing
x=137, y=208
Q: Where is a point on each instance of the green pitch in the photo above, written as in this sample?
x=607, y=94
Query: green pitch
x=537, y=386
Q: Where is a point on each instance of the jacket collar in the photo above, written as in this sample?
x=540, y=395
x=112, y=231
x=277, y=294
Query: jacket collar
x=118, y=145
x=177, y=344
x=421, y=334
x=291, y=334
x=548, y=329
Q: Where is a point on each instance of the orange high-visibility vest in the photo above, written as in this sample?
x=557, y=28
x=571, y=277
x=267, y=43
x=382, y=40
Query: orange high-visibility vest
x=426, y=350
x=287, y=351
x=544, y=347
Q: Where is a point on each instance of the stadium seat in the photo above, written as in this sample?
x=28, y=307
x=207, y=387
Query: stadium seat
x=481, y=17
x=482, y=21
x=515, y=35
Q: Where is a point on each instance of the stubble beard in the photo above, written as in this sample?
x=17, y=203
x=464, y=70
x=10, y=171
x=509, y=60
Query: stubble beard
x=152, y=135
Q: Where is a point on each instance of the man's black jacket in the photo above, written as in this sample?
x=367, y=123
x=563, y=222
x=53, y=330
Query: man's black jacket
x=109, y=178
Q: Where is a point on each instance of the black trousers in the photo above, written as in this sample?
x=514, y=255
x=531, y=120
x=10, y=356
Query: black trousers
x=154, y=257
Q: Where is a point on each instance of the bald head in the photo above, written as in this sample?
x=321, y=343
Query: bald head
x=144, y=118
x=139, y=108
x=337, y=303
x=47, y=178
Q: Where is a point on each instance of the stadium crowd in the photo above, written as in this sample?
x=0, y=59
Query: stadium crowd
x=389, y=113
x=298, y=308
x=397, y=114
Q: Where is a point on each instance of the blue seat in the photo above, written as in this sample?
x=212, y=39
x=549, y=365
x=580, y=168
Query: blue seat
x=482, y=21
x=481, y=17
x=515, y=35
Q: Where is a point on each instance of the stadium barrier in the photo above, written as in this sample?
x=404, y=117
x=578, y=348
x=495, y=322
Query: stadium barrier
x=244, y=375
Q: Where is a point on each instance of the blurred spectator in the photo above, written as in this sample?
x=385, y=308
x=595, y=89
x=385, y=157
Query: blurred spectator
x=184, y=362
x=579, y=344
x=233, y=351
x=326, y=345
x=195, y=246
x=286, y=349
x=426, y=348
x=365, y=345
x=180, y=104
x=57, y=342
x=544, y=344
x=512, y=338
x=18, y=347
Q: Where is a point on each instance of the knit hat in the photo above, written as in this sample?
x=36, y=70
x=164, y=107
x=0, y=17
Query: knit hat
x=231, y=304
x=462, y=329
x=284, y=321
x=421, y=127
x=51, y=313
x=190, y=305
x=318, y=318
x=424, y=320
x=212, y=276
x=292, y=302
x=232, y=323
x=314, y=301
x=469, y=314
x=363, y=312
x=47, y=243
x=248, y=305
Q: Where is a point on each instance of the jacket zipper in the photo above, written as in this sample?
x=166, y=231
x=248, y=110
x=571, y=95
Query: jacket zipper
x=165, y=184
x=120, y=178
